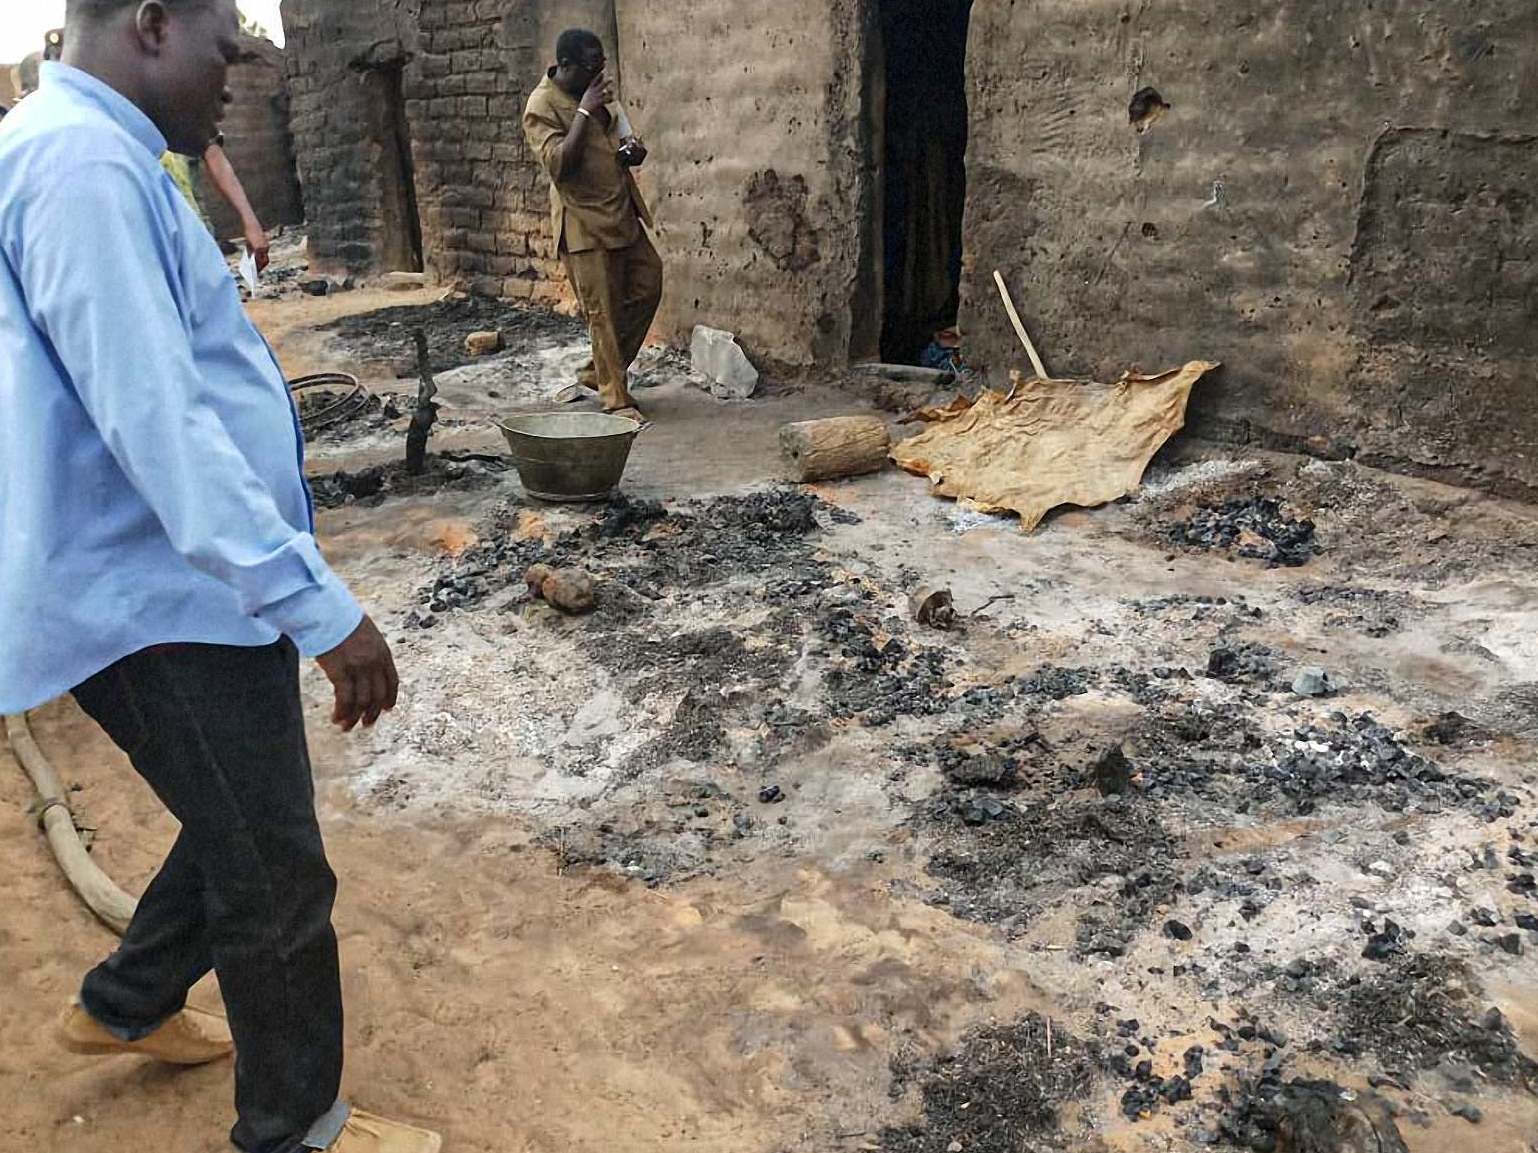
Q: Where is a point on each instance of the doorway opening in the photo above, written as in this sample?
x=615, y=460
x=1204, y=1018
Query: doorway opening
x=921, y=147
x=400, y=248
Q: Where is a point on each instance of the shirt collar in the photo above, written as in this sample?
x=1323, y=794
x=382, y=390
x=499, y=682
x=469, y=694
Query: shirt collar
x=557, y=93
x=122, y=111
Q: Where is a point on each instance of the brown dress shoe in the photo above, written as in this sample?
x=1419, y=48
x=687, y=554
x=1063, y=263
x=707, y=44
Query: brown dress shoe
x=366, y=1133
x=192, y=1037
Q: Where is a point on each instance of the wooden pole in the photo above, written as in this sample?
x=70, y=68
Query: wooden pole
x=426, y=413
x=1014, y=318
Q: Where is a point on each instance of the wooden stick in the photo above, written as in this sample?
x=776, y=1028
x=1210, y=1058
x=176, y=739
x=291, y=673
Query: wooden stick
x=426, y=411
x=1014, y=318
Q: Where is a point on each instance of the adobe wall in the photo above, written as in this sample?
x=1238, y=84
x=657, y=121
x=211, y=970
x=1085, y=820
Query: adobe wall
x=330, y=45
x=759, y=175
x=755, y=170
x=258, y=143
x=1339, y=207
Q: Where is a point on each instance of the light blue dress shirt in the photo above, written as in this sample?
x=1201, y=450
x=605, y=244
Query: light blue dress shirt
x=151, y=466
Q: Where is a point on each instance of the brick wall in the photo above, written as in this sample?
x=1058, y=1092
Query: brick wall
x=332, y=47
x=484, y=200
x=466, y=68
x=258, y=142
x=757, y=177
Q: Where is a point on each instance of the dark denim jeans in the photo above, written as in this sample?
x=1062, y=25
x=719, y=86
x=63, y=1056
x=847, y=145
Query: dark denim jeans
x=218, y=733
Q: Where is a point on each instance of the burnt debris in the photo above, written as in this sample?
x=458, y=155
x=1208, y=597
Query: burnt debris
x=1252, y=527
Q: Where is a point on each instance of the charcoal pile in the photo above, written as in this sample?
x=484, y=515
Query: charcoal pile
x=1005, y=868
x=373, y=486
x=1243, y=662
x=1000, y=1092
x=1254, y=528
x=655, y=552
x=879, y=681
x=1149, y=1092
x=1357, y=759
x=1269, y=1115
x=1051, y=682
x=1426, y=1012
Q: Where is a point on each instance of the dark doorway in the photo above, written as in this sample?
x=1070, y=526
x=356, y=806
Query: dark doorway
x=923, y=149
x=400, y=247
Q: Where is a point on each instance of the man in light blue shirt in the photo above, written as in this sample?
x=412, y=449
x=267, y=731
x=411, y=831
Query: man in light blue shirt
x=158, y=560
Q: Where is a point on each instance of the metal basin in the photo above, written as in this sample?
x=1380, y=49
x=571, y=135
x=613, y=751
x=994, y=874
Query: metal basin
x=569, y=456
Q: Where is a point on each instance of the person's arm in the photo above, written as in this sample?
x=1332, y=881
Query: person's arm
x=222, y=173
x=92, y=266
x=560, y=149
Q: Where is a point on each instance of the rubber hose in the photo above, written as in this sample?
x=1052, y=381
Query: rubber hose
x=114, y=907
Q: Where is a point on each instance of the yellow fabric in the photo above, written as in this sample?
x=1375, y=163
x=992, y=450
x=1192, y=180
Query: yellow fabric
x=181, y=171
x=1050, y=442
x=596, y=205
x=619, y=291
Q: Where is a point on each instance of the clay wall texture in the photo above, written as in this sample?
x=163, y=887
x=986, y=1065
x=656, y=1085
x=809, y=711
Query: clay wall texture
x=759, y=167
x=258, y=143
x=1339, y=205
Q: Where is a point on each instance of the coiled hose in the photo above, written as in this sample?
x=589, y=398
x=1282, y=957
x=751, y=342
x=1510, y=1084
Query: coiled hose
x=101, y=894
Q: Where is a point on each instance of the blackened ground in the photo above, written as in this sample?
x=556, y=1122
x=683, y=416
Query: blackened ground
x=1254, y=527
x=387, y=334
x=1019, y=860
x=379, y=483
x=1001, y=1091
x=1427, y=1013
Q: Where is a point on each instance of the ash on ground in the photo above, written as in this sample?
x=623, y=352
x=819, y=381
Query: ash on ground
x=1426, y=1014
x=1002, y=1090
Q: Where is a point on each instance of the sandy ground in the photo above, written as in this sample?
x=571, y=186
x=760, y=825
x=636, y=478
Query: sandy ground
x=545, y=949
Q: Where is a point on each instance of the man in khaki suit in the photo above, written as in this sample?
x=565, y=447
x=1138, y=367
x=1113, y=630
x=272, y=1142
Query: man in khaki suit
x=599, y=217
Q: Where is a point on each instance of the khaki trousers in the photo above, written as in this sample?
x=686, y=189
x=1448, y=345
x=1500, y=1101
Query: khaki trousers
x=619, y=291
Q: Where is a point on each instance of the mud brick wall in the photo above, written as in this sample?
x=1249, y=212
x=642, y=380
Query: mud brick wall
x=485, y=202
x=334, y=47
x=462, y=70
x=258, y=142
x=1339, y=207
x=757, y=176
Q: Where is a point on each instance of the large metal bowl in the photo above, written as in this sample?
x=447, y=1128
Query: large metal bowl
x=569, y=456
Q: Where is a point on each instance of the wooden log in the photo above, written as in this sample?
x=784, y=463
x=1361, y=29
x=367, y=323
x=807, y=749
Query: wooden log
x=935, y=378
x=832, y=449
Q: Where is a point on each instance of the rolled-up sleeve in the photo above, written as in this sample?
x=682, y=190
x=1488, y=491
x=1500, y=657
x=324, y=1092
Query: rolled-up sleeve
x=129, y=355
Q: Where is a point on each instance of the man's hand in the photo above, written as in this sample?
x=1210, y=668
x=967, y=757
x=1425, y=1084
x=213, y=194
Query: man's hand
x=599, y=94
x=259, y=244
x=362, y=671
x=632, y=153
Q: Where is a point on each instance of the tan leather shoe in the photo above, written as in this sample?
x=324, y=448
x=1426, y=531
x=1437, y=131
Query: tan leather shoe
x=192, y=1037
x=366, y=1133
